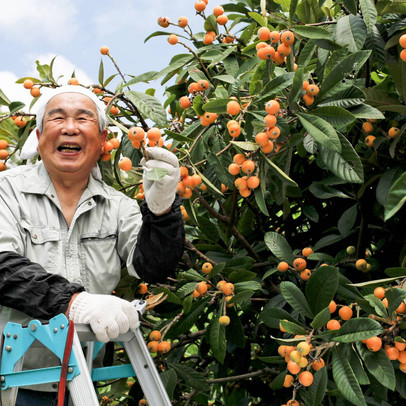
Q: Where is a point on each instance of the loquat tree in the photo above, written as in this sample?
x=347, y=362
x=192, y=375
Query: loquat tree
x=288, y=120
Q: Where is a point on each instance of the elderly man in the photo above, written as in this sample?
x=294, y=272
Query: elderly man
x=65, y=234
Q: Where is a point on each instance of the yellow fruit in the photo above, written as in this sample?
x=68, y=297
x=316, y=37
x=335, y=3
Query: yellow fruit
x=224, y=320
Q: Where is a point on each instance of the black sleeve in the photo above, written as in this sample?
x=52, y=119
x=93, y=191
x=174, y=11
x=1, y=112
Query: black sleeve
x=26, y=286
x=160, y=243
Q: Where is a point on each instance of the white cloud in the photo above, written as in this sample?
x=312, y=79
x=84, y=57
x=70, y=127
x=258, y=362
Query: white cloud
x=38, y=20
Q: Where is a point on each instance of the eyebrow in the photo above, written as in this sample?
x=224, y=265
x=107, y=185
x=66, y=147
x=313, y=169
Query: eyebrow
x=60, y=110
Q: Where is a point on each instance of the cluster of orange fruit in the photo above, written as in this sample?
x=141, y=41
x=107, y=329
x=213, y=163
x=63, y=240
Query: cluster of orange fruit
x=368, y=127
x=244, y=184
x=299, y=364
x=34, y=90
x=312, y=90
x=396, y=351
x=188, y=182
x=138, y=137
x=3, y=154
x=156, y=344
x=298, y=265
x=108, y=147
x=402, y=43
x=282, y=40
x=271, y=130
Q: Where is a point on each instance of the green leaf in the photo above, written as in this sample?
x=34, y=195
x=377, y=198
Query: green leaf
x=190, y=376
x=4, y=99
x=338, y=117
x=210, y=24
x=277, y=382
x=357, y=329
x=398, y=272
x=149, y=107
x=321, y=287
x=378, y=365
x=312, y=32
x=397, y=72
x=144, y=77
x=221, y=56
x=15, y=106
x=347, y=220
x=292, y=328
x=323, y=132
x=369, y=13
x=186, y=322
x=346, y=165
x=218, y=339
x=247, y=285
x=321, y=319
x=176, y=136
x=156, y=174
x=376, y=304
x=241, y=296
x=279, y=173
x=216, y=106
x=258, y=18
x=345, y=378
x=275, y=86
x=274, y=313
x=169, y=379
x=366, y=111
x=318, y=388
x=351, y=31
x=350, y=65
x=246, y=145
x=295, y=297
x=259, y=194
x=101, y=72
x=396, y=197
x=224, y=78
x=297, y=85
x=395, y=297
x=198, y=105
x=278, y=245
x=306, y=53
x=351, y=96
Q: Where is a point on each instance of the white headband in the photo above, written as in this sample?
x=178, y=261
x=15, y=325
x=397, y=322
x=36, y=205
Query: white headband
x=29, y=149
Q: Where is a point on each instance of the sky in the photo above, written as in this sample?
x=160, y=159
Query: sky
x=74, y=31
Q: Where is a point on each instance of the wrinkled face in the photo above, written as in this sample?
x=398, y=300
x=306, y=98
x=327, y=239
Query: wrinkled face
x=70, y=142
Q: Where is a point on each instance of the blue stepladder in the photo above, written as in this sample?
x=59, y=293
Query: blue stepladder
x=80, y=374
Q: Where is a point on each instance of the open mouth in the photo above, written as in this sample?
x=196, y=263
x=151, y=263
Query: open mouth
x=69, y=148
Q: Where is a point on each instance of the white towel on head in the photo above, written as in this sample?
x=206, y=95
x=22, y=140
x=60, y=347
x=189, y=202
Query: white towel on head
x=30, y=147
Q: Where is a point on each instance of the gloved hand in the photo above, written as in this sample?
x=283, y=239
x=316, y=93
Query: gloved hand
x=107, y=315
x=160, y=195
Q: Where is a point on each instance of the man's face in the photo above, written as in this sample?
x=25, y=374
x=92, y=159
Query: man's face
x=70, y=142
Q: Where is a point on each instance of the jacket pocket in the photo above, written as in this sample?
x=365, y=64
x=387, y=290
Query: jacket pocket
x=101, y=263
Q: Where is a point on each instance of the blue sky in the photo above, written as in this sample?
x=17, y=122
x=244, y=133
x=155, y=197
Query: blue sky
x=74, y=31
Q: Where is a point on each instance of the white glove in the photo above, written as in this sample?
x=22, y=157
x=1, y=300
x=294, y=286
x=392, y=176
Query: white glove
x=160, y=194
x=107, y=315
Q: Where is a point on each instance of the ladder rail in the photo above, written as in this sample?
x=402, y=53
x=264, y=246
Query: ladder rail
x=80, y=384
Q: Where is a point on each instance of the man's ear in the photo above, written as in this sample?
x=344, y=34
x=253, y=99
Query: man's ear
x=103, y=136
x=38, y=133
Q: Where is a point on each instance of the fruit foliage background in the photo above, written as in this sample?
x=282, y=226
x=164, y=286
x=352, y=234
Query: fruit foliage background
x=288, y=120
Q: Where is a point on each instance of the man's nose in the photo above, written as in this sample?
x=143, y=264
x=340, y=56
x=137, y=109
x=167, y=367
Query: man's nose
x=70, y=127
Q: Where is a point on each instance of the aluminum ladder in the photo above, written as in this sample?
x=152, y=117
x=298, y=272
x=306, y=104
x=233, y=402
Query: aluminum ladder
x=80, y=374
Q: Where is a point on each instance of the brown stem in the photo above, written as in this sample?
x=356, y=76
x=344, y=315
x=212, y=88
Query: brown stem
x=199, y=60
x=214, y=213
x=260, y=372
x=192, y=248
x=244, y=242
